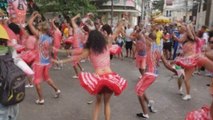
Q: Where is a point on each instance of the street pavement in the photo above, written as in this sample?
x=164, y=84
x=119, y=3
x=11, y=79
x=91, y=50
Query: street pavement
x=72, y=104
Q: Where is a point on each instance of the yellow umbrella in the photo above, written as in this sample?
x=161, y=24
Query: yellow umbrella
x=3, y=33
x=162, y=19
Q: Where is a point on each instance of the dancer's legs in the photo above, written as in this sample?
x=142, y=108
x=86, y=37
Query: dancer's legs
x=97, y=107
x=107, y=111
x=188, y=75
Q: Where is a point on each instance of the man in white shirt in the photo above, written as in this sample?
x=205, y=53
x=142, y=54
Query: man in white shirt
x=128, y=44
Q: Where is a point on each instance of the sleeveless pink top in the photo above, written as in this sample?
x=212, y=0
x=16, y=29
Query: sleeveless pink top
x=57, y=35
x=100, y=60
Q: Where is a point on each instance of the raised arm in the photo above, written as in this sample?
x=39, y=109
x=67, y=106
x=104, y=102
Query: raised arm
x=53, y=23
x=31, y=26
x=73, y=21
x=167, y=65
x=182, y=39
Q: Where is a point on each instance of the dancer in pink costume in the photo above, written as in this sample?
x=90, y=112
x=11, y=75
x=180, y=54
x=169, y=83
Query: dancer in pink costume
x=29, y=55
x=57, y=38
x=77, y=43
x=206, y=112
x=42, y=62
x=187, y=61
x=104, y=81
x=190, y=59
x=148, y=76
x=202, y=114
x=141, y=53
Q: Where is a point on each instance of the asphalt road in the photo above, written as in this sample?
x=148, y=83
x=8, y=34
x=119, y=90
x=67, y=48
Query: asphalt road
x=72, y=105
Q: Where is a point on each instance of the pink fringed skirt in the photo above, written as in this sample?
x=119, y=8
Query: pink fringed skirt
x=94, y=83
x=186, y=62
x=19, y=48
x=201, y=114
x=28, y=56
x=115, y=49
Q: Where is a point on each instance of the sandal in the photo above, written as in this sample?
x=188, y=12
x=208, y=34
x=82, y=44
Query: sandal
x=39, y=102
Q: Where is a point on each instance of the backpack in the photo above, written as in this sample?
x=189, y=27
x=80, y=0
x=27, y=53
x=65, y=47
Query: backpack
x=12, y=81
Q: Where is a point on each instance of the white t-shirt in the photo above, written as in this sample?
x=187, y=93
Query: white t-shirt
x=128, y=33
x=205, y=37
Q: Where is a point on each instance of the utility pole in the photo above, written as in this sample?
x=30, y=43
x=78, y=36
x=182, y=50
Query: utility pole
x=208, y=12
x=112, y=12
x=142, y=9
x=186, y=3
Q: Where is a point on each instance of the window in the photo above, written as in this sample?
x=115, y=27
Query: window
x=167, y=13
x=170, y=13
x=204, y=5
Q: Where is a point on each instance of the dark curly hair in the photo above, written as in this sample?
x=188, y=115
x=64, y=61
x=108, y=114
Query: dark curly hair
x=96, y=42
x=107, y=28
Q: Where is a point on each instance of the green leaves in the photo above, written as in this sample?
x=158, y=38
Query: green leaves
x=158, y=5
x=66, y=6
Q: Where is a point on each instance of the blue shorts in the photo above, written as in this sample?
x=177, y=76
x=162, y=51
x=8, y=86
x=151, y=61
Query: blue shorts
x=9, y=112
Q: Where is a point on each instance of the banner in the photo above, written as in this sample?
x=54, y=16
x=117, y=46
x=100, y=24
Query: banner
x=17, y=9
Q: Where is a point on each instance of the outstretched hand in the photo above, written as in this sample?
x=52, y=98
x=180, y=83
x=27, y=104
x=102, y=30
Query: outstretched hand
x=78, y=15
x=55, y=61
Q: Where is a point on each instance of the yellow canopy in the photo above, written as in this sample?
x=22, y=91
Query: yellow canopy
x=162, y=19
x=3, y=33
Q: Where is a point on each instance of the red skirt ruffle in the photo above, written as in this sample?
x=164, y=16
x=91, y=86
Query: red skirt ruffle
x=115, y=49
x=69, y=40
x=144, y=83
x=94, y=83
x=19, y=48
x=186, y=62
x=28, y=56
x=201, y=114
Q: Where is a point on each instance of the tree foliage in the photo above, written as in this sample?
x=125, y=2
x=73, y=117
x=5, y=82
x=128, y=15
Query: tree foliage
x=66, y=6
x=158, y=5
x=99, y=3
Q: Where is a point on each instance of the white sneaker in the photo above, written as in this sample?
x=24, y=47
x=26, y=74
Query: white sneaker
x=56, y=68
x=90, y=102
x=151, y=106
x=75, y=77
x=208, y=75
x=187, y=97
x=83, y=61
x=57, y=93
x=146, y=116
x=151, y=103
x=29, y=86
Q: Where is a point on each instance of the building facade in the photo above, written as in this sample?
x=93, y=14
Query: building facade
x=178, y=9
x=203, y=13
x=128, y=9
